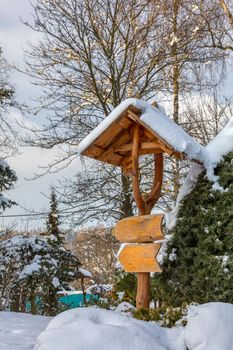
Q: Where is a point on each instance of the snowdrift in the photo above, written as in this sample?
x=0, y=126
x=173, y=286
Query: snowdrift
x=19, y=331
x=209, y=327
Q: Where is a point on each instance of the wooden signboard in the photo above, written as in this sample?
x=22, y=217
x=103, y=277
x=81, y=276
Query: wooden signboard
x=143, y=228
x=140, y=257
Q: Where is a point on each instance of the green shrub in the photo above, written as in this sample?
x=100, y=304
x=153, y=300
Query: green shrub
x=165, y=316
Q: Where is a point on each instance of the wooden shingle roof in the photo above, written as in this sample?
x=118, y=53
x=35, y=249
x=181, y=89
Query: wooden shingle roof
x=111, y=141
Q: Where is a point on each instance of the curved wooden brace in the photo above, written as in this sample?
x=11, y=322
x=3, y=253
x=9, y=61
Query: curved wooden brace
x=135, y=167
x=145, y=205
x=154, y=195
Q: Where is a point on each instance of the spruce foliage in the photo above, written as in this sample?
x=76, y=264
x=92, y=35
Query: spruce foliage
x=7, y=179
x=7, y=175
x=30, y=270
x=198, y=266
x=126, y=283
x=53, y=233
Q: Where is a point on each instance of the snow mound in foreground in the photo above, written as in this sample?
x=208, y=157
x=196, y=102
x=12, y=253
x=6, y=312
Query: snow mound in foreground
x=19, y=331
x=209, y=328
x=98, y=329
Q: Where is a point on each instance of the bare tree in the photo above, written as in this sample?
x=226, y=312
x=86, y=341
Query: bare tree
x=207, y=117
x=7, y=133
x=94, y=54
x=227, y=11
x=97, y=249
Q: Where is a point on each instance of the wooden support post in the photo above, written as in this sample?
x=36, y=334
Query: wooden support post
x=143, y=291
x=145, y=206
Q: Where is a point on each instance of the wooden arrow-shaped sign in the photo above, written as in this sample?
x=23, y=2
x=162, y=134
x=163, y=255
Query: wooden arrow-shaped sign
x=145, y=228
x=139, y=257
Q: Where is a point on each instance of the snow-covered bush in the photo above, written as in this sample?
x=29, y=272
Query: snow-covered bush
x=199, y=260
x=30, y=268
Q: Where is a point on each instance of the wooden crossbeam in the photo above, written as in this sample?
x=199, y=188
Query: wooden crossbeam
x=124, y=123
x=110, y=154
x=148, y=131
x=143, y=146
x=94, y=151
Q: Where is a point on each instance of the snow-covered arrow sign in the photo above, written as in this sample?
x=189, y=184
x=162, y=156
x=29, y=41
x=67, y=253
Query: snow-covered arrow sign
x=139, y=257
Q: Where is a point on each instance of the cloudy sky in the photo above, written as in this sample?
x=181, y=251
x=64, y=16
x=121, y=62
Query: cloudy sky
x=29, y=194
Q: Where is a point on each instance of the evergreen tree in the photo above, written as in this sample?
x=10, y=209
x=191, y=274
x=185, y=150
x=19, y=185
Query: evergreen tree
x=7, y=179
x=198, y=266
x=53, y=233
x=67, y=260
x=7, y=130
x=30, y=268
x=7, y=175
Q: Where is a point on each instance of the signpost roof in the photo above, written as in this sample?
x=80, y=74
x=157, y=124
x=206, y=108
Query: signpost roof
x=111, y=140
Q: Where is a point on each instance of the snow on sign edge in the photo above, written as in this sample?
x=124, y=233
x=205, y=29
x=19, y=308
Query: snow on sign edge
x=158, y=121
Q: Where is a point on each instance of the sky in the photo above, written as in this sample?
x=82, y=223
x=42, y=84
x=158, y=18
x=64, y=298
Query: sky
x=30, y=194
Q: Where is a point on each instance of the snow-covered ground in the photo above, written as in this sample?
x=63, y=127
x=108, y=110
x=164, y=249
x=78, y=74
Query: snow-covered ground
x=209, y=327
x=19, y=331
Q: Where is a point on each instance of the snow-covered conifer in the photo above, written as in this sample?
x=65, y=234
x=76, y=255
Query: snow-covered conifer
x=31, y=268
x=198, y=263
x=7, y=179
x=53, y=233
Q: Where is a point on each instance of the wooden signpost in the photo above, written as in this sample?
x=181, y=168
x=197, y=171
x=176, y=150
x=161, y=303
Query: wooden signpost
x=121, y=142
x=136, y=229
x=139, y=257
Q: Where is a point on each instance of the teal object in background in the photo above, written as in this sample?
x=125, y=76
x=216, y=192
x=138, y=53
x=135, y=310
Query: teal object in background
x=28, y=304
x=76, y=300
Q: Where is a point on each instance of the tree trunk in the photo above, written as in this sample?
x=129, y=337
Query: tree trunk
x=23, y=303
x=33, y=303
x=227, y=12
x=176, y=90
x=52, y=303
x=14, y=306
x=127, y=203
x=83, y=290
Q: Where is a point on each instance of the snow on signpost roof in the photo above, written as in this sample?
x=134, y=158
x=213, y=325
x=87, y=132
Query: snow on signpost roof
x=170, y=136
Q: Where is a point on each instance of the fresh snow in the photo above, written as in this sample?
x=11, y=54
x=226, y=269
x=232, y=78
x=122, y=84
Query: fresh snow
x=69, y=292
x=173, y=134
x=19, y=331
x=55, y=282
x=124, y=307
x=220, y=146
x=99, y=288
x=3, y=164
x=158, y=121
x=85, y=273
x=216, y=149
x=173, y=255
x=189, y=183
x=98, y=329
x=4, y=200
x=209, y=327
